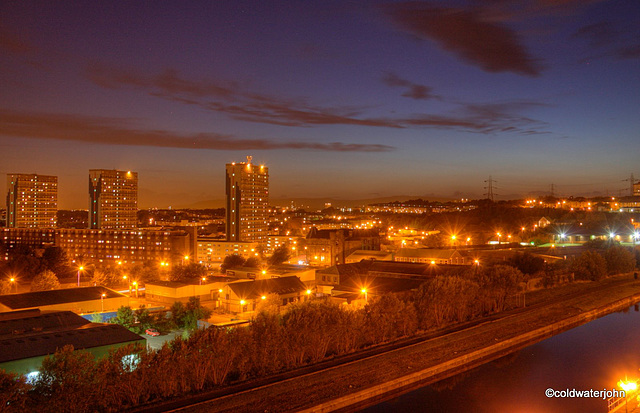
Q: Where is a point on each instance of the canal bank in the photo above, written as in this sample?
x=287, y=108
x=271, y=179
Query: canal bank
x=317, y=390
x=466, y=362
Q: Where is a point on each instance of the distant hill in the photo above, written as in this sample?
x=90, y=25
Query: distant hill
x=319, y=203
x=314, y=203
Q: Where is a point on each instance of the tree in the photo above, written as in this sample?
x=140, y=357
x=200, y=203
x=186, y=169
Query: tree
x=146, y=271
x=55, y=259
x=124, y=317
x=619, y=260
x=6, y=287
x=589, y=266
x=125, y=378
x=252, y=262
x=502, y=281
x=527, y=263
x=22, y=260
x=46, y=280
x=99, y=277
x=267, y=335
x=270, y=304
x=194, y=312
x=177, y=314
x=13, y=391
x=144, y=318
x=231, y=261
x=67, y=381
x=280, y=255
x=187, y=272
x=387, y=317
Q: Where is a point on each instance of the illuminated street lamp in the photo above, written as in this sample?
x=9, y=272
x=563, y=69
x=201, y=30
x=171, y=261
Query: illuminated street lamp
x=499, y=235
x=80, y=268
x=203, y=279
x=13, y=282
x=366, y=297
x=627, y=386
x=102, y=300
x=135, y=285
x=562, y=237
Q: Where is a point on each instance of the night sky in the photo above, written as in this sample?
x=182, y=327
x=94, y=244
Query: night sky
x=342, y=99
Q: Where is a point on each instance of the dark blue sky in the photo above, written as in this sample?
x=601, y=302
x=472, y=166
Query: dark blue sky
x=340, y=99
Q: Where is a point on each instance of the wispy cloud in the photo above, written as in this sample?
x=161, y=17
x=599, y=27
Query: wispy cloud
x=488, y=118
x=232, y=99
x=115, y=131
x=414, y=90
x=474, y=35
x=608, y=39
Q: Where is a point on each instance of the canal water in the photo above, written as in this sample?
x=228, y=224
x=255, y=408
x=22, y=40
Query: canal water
x=594, y=356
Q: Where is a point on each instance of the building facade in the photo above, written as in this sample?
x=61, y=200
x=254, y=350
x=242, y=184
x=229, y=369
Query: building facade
x=100, y=246
x=247, y=201
x=32, y=201
x=113, y=199
x=211, y=251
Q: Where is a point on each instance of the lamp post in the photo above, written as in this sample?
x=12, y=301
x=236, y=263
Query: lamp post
x=135, y=285
x=366, y=298
x=81, y=268
x=13, y=282
x=102, y=301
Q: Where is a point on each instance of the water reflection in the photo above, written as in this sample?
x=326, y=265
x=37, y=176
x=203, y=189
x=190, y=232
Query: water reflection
x=593, y=356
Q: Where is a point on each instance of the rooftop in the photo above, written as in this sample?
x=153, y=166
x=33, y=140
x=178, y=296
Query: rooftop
x=255, y=289
x=42, y=335
x=53, y=297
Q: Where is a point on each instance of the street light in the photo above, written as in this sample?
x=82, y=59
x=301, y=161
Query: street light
x=102, y=301
x=627, y=386
x=13, y=282
x=81, y=268
x=135, y=285
x=366, y=297
x=203, y=279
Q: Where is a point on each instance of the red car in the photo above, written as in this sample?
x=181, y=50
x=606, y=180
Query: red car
x=152, y=332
